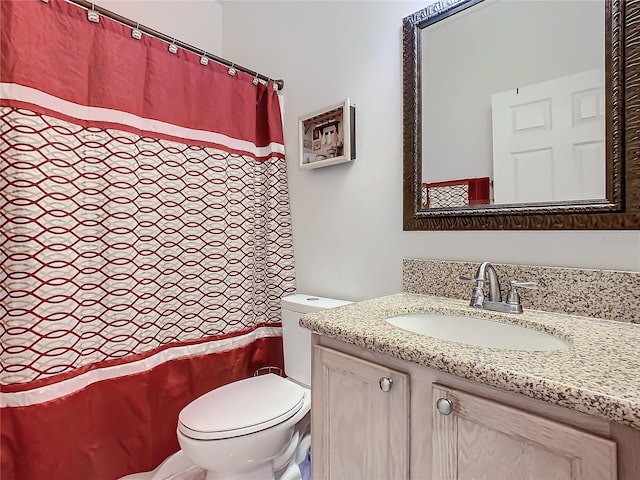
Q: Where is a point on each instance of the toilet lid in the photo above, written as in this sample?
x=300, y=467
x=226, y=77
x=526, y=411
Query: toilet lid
x=241, y=407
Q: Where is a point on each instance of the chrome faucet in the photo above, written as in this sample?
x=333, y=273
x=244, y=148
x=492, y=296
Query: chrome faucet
x=477, y=296
x=485, y=273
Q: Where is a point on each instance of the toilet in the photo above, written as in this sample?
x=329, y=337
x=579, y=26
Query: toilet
x=258, y=428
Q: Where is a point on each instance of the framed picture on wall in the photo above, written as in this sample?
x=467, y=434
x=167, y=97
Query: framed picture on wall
x=328, y=136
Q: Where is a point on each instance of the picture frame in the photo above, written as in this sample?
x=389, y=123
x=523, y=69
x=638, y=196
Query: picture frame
x=327, y=136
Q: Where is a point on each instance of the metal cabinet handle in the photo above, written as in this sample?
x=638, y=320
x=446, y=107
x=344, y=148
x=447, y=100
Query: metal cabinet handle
x=444, y=406
x=385, y=384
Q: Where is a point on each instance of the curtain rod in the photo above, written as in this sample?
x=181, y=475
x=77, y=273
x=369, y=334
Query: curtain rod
x=185, y=46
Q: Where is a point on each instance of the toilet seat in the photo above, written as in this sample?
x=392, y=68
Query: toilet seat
x=241, y=408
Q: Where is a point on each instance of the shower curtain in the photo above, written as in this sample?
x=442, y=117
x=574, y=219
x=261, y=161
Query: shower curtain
x=145, y=240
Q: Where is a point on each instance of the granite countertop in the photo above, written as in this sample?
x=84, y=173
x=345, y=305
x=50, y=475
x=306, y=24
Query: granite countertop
x=598, y=375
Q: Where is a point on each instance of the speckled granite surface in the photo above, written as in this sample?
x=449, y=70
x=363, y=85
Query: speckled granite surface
x=609, y=294
x=599, y=375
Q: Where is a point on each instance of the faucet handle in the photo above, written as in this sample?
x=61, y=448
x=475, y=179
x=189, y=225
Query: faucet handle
x=462, y=278
x=513, y=298
x=530, y=285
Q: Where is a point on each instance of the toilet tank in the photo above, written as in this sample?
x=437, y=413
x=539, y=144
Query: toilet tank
x=296, y=339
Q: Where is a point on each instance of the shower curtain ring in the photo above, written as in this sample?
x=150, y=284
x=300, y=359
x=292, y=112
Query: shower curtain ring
x=92, y=15
x=173, y=48
x=256, y=80
x=136, y=33
x=232, y=71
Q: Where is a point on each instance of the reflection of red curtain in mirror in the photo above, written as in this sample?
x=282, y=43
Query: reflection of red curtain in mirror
x=478, y=191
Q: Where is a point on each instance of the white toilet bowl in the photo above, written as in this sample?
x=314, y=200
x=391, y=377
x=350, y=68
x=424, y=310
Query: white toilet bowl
x=246, y=430
x=254, y=429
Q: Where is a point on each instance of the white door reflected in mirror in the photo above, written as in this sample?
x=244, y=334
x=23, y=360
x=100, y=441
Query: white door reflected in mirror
x=548, y=141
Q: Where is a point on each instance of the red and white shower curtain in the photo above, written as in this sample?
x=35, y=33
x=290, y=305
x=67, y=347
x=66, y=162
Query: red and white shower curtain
x=145, y=240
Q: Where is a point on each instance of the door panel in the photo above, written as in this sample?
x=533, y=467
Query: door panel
x=564, y=116
x=364, y=430
x=483, y=439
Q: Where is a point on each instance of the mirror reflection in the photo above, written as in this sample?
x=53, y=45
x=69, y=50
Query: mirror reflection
x=513, y=106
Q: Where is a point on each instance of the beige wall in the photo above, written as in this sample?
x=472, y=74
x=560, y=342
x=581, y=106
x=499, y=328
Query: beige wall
x=196, y=22
x=347, y=219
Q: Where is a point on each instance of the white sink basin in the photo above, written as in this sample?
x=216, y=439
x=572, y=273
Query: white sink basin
x=478, y=331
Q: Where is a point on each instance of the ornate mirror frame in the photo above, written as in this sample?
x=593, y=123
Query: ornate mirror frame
x=621, y=209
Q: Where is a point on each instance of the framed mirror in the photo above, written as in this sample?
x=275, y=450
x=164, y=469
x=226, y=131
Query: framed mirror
x=522, y=115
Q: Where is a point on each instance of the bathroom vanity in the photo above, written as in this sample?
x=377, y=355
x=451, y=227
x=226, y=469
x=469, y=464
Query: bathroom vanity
x=388, y=403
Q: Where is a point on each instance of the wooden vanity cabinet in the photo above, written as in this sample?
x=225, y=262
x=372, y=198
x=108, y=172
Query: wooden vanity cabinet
x=473, y=437
x=360, y=413
x=360, y=431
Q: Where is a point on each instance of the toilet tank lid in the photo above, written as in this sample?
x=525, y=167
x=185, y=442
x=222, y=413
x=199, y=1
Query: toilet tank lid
x=303, y=303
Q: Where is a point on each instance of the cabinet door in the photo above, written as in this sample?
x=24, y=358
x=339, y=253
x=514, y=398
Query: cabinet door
x=483, y=439
x=359, y=430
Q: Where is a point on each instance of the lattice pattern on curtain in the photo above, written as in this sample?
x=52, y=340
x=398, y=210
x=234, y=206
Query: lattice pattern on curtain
x=456, y=193
x=116, y=244
x=452, y=196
